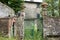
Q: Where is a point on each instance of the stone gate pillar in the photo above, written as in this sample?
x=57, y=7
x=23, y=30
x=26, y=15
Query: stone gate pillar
x=20, y=26
x=44, y=9
x=44, y=13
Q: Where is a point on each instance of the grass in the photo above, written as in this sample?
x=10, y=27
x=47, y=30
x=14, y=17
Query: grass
x=4, y=38
x=29, y=34
x=32, y=34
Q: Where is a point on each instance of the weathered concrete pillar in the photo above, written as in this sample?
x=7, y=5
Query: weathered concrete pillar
x=44, y=13
x=20, y=26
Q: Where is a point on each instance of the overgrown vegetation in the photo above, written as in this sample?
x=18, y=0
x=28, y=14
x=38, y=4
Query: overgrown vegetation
x=17, y=5
x=33, y=34
x=53, y=8
x=4, y=38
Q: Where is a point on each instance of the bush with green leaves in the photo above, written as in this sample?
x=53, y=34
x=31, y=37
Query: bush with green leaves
x=53, y=7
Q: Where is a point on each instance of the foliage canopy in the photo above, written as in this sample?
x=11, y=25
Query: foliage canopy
x=17, y=5
x=53, y=7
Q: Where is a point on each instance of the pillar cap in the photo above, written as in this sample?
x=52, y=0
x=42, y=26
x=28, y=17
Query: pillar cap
x=44, y=4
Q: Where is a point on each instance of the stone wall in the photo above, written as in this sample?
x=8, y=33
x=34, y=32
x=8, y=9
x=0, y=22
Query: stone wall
x=51, y=27
x=5, y=11
x=5, y=26
x=53, y=38
x=5, y=20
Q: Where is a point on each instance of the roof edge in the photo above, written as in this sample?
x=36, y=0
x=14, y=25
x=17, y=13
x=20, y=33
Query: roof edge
x=33, y=2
